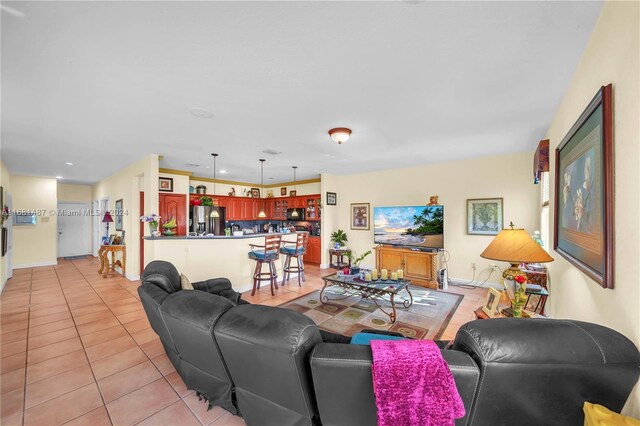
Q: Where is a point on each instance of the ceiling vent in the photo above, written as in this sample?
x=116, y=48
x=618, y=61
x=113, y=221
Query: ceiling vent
x=271, y=152
x=192, y=165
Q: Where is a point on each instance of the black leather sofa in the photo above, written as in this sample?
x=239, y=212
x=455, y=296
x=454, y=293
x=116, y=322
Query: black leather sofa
x=274, y=366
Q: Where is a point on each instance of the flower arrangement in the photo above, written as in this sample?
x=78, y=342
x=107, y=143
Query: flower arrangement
x=153, y=221
x=519, y=296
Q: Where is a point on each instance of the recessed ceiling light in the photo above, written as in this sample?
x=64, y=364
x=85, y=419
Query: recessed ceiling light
x=69, y=163
x=223, y=171
x=271, y=178
x=58, y=177
x=271, y=151
x=192, y=165
x=201, y=112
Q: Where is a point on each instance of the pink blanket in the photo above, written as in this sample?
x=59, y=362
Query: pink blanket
x=413, y=384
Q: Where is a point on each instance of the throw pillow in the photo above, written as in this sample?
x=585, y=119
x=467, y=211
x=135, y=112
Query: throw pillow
x=185, y=283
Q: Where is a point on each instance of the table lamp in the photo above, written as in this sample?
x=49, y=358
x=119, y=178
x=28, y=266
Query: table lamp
x=107, y=219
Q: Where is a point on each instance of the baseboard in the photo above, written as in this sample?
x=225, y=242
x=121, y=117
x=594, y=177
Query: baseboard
x=324, y=266
x=35, y=264
x=463, y=281
x=132, y=277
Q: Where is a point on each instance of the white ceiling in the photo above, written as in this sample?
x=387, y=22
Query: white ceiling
x=102, y=84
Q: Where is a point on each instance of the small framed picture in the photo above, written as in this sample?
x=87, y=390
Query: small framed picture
x=255, y=193
x=484, y=216
x=360, y=216
x=112, y=238
x=165, y=184
x=332, y=198
x=105, y=241
x=491, y=302
x=293, y=193
x=118, y=214
x=283, y=191
x=122, y=238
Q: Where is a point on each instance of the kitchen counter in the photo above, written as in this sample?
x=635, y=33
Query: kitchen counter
x=201, y=258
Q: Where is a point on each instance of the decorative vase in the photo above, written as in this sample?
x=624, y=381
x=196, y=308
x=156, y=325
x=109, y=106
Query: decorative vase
x=519, y=299
x=153, y=227
x=355, y=270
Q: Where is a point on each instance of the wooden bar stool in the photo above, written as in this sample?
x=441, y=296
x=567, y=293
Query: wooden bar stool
x=267, y=253
x=295, y=249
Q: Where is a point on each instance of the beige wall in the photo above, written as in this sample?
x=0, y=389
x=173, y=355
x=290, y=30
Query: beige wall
x=70, y=193
x=612, y=56
x=5, y=183
x=35, y=245
x=507, y=176
x=126, y=184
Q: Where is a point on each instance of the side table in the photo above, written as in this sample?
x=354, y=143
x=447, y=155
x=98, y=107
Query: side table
x=481, y=315
x=339, y=255
x=105, y=265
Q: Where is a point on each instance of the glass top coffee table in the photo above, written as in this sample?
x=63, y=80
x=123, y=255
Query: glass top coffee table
x=377, y=291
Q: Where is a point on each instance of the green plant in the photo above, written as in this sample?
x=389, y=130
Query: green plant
x=339, y=237
x=206, y=201
x=357, y=260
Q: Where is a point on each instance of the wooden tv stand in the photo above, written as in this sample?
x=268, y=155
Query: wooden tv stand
x=418, y=266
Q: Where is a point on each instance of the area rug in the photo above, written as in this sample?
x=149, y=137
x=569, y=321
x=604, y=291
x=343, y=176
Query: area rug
x=427, y=318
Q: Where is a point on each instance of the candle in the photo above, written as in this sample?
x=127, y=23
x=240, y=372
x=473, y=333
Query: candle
x=367, y=277
x=383, y=274
x=400, y=274
x=394, y=276
x=374, y=274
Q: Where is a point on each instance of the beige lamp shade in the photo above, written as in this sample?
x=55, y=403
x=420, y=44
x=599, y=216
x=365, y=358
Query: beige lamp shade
x=515, y=246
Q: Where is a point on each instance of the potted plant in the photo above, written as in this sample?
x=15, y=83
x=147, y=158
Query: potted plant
x=153, y=221
x=338, y=238
x=355, y=263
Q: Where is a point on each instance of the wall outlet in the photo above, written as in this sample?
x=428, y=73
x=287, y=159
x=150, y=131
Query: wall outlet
x=473, y=265
x=493, y=266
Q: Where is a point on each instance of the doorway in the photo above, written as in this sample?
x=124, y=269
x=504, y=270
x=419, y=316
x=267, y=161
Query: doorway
x=73, y=230
x=99, y=228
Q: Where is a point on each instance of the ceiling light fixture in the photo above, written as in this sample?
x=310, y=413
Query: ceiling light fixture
x=340, y=134
x=223, y=171
x=295, y=211
x=69, y=163
x=262, y=214
x=214, y=210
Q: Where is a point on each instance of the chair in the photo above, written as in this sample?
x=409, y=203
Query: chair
x=267, y=253
x=295, y=249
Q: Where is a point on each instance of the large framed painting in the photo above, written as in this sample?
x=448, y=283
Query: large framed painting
x=360, y=217
x=118, y=212
x=583, y=214
x=484, y=216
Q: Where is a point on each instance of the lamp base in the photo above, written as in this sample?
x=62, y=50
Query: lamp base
x=515, y=291
x=512, y=272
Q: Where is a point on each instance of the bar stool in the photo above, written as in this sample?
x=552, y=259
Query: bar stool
x=267, y=253
x=295, y=249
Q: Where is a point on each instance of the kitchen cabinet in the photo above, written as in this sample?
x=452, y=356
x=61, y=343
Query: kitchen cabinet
x=313, y=250
x=245, y=208
x=173, y=206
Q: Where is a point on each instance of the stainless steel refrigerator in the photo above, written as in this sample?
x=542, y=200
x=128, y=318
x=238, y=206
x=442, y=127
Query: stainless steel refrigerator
x=201, y=220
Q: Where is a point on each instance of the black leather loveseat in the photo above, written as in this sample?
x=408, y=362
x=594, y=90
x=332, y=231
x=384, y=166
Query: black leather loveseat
x=274, y=366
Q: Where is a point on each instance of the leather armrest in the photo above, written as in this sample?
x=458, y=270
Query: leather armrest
x=219, y=287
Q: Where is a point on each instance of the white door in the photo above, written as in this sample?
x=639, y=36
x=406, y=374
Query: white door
x=73, y=224
x=99, y=228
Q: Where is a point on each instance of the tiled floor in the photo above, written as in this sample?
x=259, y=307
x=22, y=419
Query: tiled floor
x=78, y=349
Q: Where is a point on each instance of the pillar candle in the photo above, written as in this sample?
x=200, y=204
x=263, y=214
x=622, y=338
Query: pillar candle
x=374, y=274
x=383, y=274
x=367, y=277
x=394, y=276
x=400, y=274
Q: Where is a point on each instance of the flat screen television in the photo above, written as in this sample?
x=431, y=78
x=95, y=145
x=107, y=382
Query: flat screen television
x=413, y=226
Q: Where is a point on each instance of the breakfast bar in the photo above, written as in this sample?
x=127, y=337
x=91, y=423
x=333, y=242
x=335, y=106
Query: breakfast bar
x=201, y=258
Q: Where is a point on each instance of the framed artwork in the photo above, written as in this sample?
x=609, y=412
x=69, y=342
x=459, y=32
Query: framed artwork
x=491, y=301
x=112, y=238
x=118, y=212
x=484, y=216
x=283, y=191
x=293, y=193
x=583, y=211
x=4, y=240
x=332, y=198
x=105, y=241
x=360, y=218
x=255, y=192
x=165, y=184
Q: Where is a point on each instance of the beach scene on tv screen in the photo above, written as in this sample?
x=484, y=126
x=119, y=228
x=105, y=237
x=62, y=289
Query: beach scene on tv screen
x=421, y=226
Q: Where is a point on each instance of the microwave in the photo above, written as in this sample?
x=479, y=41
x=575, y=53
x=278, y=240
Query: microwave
x=300, y=216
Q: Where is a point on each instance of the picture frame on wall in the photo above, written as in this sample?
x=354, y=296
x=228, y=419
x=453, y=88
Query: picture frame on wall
x=165, y=184
x=332, y=198
x=484, y=216
x=118, y=215
x=584, y=207
x=293, y=193
x=255, y=192
x=283, y=191
x=360, y=216
x=491, y=302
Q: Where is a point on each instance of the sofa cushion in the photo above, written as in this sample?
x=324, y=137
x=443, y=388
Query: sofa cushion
x=366, y=338
x=170, y=284
x=185, y=284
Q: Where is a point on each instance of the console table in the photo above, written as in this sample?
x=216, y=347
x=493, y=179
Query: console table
x=105, y=265
x=339, y=254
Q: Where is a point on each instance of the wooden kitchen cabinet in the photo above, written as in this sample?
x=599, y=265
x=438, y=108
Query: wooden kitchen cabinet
x=419, y=267
x=173, y=205
x=313, y=250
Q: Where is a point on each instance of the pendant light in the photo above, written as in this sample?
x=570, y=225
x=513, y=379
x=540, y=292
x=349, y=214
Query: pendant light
x=262, y=214
x=214, y=212
x=295, y=211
